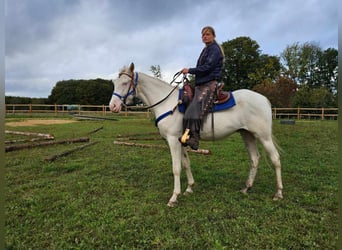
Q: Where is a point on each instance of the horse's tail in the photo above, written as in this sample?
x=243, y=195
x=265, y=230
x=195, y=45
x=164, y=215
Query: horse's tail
x=275, y=142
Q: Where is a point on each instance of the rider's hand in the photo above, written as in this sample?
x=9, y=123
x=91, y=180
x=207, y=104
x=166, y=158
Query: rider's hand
x=185, y=71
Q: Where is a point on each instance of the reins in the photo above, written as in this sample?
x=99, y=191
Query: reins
x=162, y=100
x=134, y=83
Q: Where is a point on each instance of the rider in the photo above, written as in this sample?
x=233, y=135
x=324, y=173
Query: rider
x=207, y=74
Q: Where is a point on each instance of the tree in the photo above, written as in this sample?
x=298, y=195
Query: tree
x=307, y=64
x=156, y=71
x=64, y=92
x=280, y=93
x=241, y=56
x=327, y=70
x=315, y=71
x=86, y=92
x=314, y=97
x=268, y=69
x=245, y=66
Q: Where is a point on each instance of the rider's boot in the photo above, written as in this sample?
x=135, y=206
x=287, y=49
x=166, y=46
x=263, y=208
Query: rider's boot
x=193, y=142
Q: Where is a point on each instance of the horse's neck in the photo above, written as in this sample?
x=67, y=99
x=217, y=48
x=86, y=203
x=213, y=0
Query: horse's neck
x=151, y=90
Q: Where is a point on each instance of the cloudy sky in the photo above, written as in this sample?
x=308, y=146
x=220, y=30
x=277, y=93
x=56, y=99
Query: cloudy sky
x=52, y=40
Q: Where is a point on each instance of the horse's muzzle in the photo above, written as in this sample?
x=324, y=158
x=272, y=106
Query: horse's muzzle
x=115, y=105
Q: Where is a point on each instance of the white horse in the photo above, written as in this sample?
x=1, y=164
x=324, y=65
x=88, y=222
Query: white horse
x=251, y=116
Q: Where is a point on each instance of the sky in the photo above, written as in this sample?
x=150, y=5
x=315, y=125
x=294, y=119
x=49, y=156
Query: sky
x=47, y=41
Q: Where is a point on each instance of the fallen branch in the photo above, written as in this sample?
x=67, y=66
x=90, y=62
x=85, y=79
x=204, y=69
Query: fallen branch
x=28, y=140
x=25, y=146
x=137, y=135
x=86, y=117
x=65, y=153
x=136, y=139
x=199, y=151
x=95, y=130
x=30, y=134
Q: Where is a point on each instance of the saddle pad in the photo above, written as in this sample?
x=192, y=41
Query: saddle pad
x=217, y=107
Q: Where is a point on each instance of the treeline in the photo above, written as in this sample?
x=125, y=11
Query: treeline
x=25, y=100
x=303, y=75
x=85, y=92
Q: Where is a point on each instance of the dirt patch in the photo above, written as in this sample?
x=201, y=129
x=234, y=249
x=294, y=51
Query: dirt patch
x=34, y=122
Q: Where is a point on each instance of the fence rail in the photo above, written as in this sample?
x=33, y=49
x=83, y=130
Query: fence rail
x=278, y=113
x=306, y=113
x=58, y=109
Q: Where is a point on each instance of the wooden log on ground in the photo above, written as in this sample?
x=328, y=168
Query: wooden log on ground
x=137, y=135
x=199, y=151
x=30, y=134
x=95, y=130
x=28, y=140
x=42, y=144
x=138, y=139
x=65, y=153
x=87, y=117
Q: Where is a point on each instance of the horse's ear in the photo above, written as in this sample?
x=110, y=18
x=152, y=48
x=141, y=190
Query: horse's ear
x=131, y=67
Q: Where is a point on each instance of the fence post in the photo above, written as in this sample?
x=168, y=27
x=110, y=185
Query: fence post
x=298, y=113
x=30, y=108
x=322, y=113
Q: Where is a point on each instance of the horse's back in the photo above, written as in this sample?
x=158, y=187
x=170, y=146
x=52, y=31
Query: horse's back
x=252, y=112
x=255, y=110
x=252, y=102
x=253, y=98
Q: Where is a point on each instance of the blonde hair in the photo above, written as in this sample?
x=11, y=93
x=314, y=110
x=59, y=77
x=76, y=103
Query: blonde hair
x=212, y=31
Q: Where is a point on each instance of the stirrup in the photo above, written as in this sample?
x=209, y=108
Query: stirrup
x=185, y=136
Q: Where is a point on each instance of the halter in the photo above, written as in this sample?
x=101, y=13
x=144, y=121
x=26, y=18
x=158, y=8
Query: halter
x=133, y=85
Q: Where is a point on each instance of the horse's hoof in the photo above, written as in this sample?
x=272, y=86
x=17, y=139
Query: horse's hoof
x=172, y=203
x=187, y=192
x=278, y=197
x=244, y=191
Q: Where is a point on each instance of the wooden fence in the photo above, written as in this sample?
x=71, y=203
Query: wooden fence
x=278, y=113
x=57, y=109
x=306, y=113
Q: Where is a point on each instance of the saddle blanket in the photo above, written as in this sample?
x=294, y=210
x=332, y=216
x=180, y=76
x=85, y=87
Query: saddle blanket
x=217, y=107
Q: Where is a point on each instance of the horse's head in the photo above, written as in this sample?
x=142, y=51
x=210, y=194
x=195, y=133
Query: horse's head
x=124, y=89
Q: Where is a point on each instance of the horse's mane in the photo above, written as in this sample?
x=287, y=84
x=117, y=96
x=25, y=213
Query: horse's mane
x=126, y=70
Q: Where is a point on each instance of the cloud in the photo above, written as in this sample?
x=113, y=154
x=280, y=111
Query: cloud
x=49, y=41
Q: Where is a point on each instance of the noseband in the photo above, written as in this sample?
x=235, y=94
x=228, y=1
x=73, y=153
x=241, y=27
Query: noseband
x=131, y=89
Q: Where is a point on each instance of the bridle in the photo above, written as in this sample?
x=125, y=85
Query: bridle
x=133, y=86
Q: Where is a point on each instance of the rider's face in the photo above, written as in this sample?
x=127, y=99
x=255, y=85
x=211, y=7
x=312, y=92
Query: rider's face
x=207, y=37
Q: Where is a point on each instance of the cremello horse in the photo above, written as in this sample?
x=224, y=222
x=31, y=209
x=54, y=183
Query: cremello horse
x=251, y=116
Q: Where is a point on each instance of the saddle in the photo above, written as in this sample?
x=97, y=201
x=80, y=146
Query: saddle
x=221, y=96
x=188, y=94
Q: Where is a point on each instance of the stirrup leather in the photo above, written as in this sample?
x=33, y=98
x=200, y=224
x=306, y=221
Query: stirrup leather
x=185, y=136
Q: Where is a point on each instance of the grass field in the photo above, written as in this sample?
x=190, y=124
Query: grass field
x=109, y=196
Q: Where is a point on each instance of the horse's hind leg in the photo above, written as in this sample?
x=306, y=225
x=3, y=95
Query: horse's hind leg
x=186, y=165
x=275, y=158
x=252, y=149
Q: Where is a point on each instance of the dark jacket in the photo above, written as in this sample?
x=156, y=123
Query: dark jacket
x=209, y=64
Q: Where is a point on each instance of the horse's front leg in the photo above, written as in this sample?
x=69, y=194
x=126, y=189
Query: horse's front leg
x=186, y=164
x=175, y=149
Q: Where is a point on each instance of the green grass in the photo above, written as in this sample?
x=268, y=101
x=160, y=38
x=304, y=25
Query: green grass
x=114, y=197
